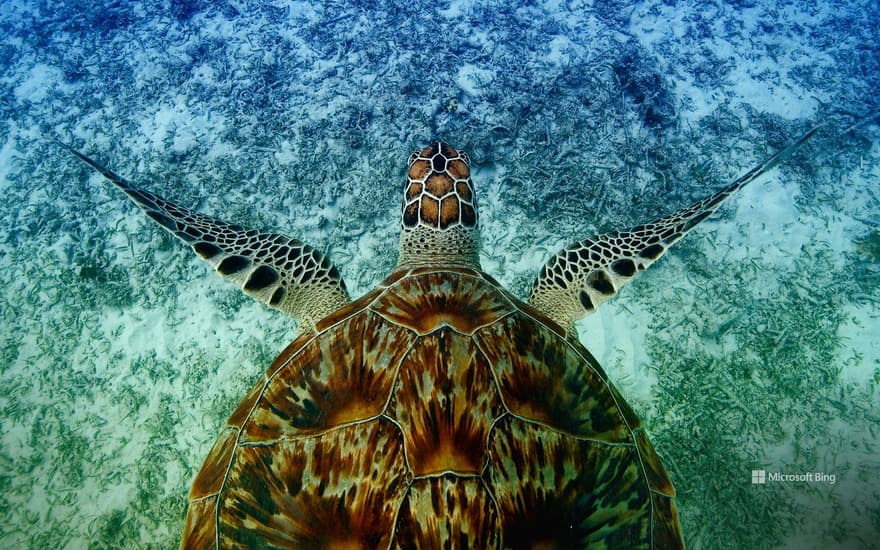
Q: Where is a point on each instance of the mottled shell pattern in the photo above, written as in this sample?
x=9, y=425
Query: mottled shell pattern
x=437, y=411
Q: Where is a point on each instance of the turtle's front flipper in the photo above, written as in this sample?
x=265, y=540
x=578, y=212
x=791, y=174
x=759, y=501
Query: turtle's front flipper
x=284, y=273
x=583, y=275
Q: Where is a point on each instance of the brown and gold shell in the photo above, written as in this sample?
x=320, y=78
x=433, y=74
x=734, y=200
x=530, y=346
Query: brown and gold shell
x=435, y=412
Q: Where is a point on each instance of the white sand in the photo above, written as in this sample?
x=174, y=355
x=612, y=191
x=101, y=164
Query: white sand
x=108, y=408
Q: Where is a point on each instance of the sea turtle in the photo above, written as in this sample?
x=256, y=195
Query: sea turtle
x=438, y=410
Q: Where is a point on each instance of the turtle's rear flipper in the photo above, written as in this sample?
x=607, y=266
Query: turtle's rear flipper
x=284, y=273
x=581, y=276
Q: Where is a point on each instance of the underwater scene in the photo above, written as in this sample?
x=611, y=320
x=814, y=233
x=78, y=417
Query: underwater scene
x=751, y=350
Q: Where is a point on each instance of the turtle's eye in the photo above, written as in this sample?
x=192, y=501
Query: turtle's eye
x=412, y=158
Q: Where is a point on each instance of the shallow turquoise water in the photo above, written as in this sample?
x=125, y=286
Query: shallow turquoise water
x=751, y=347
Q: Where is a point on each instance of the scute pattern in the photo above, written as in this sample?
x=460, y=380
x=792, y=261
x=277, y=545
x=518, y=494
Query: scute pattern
x=436, y=412
x=435, y=299
x=448, y=512
x=666, y=532
x=444, y=402
x=658, y=480
x=210, y=477
x=344, y=376
x=549, y=383
x=200, y=530
x=557, y=491
x=317, y=492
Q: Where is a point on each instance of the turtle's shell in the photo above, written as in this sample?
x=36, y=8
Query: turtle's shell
x=437, y=411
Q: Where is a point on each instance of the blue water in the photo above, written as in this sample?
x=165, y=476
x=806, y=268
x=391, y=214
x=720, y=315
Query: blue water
x=751, y=347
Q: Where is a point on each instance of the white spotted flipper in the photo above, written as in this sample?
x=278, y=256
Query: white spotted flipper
x=282, y=272
x=583, y=275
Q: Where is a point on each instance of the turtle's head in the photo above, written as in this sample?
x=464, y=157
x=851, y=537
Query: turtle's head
x=439, y=219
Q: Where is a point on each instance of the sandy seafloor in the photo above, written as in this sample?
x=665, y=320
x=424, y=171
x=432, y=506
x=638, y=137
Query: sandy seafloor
x=753, y=345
